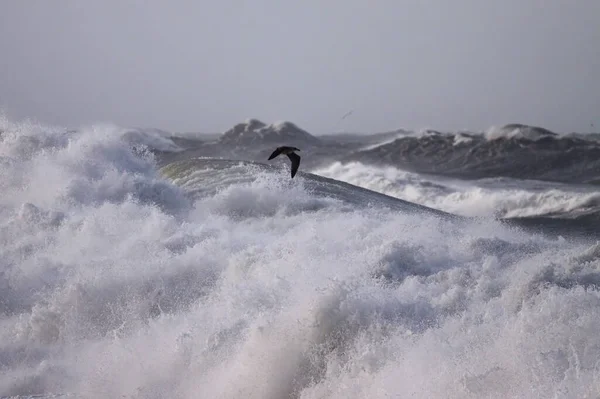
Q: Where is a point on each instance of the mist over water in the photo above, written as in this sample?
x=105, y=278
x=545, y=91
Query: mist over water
x=120, y=278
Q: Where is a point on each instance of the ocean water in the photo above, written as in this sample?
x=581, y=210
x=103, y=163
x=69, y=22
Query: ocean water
x=501, y=197
x=226, y=279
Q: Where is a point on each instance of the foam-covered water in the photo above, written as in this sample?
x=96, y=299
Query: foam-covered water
x=118, y=279
x=485, y=197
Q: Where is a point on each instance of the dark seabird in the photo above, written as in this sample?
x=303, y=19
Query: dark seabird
x=289, y=151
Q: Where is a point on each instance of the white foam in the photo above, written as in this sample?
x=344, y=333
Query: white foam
x=263, y=289
x=510, y=132
x=468, y=199
x=460, y=138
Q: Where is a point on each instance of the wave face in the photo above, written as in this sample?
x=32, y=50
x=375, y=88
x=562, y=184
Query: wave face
x=515, y=151
x=226, y=279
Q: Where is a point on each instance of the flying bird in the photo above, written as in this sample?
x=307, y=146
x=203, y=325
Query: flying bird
x=347, y=114
x=289, y=151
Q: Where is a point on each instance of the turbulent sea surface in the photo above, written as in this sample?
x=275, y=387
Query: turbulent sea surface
x=138, y=263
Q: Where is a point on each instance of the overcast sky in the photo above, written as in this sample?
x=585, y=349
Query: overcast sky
x=206, y=65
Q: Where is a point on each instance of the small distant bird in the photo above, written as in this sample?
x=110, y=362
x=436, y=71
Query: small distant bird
x=289, y=151
x=347, y=114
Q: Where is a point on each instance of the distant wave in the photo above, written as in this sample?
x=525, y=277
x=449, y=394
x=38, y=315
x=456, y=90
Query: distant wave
x=254, y=131
x=515, y=151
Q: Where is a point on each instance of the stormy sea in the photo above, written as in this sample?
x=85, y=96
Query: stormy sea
x=141, y=263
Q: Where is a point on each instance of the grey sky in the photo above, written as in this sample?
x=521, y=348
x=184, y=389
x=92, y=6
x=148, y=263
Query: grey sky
x=205, y=65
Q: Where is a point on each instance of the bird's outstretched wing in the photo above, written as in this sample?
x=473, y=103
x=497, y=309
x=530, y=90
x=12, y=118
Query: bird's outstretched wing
x=275, y=153
x=295, y=158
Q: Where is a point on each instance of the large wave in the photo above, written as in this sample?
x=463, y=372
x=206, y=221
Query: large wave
x=226, y=279
x=514, y=151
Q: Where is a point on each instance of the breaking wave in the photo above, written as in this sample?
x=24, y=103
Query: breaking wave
x=513, y=151
x=505, y=198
